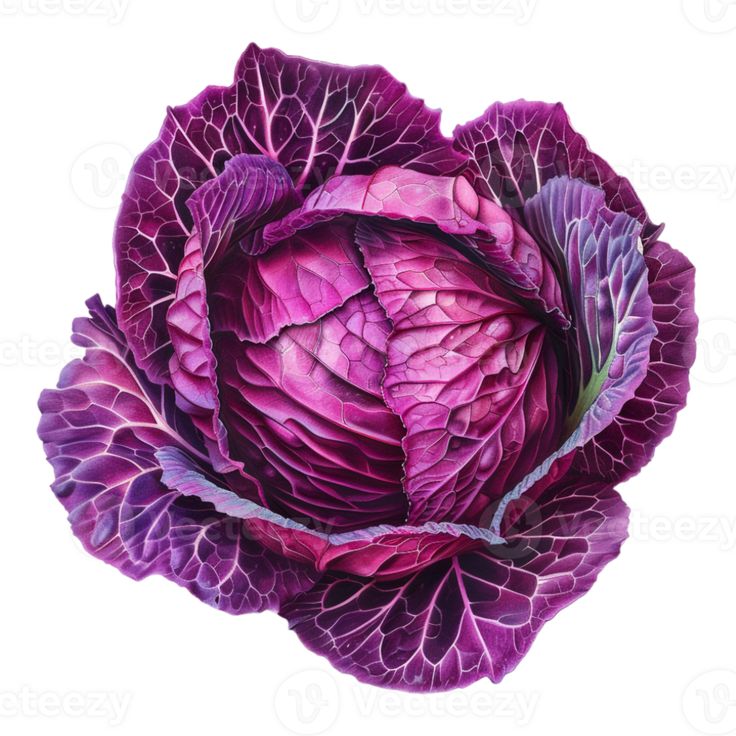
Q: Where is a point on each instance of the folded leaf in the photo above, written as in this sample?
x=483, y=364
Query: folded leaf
x=514, y=148
x=384, y=551
x=461, y=358
x=447, y=203
x=473, y=615
x=295, y=282
x=303, y=413
x=101, y=429
x=628, y=443
x=607, y=282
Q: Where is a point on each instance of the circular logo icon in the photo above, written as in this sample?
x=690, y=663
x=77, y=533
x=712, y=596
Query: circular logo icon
x=98, y=174
x=716, y=361
x=307, y=16
x=526, y=515
x=711, y=16
x=709, y=703
x=308, y=702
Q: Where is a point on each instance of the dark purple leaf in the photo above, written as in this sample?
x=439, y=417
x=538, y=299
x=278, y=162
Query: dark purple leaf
x=516, y=147
x=471, y=616
x=101, y=429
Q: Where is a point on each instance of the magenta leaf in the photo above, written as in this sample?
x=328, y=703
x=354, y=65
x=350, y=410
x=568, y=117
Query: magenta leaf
x=295, y=282
x=470, y=616
x=304, y=414
x=461, y=358
x=451, y=205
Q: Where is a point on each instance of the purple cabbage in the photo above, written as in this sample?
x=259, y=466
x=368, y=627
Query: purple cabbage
x=379, y=381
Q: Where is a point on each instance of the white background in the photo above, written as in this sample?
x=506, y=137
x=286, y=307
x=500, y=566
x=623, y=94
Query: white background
x=84, y=650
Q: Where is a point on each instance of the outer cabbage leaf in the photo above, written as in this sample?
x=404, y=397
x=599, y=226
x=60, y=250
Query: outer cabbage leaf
x=628, y=443
x=516, y=147
x=321, y=120
x=470, y=616
x=315, y=119
x=607, y=279
x=101, y=429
